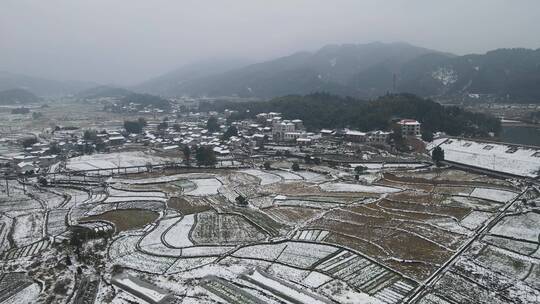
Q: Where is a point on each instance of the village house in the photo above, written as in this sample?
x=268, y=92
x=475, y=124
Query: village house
x=379, y=137
x=327, y=132
x=26, y=167
x=355, y=136
x=280, y=128
x=409, y=127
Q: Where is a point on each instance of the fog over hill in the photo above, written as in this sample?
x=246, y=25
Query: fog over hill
x=368, y=71
x=17, y=96
x=333, y=68
x=41, y=86
x=359, y=70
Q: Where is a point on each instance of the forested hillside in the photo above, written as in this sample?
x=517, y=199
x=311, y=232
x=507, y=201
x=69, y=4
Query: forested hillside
x=323, y=110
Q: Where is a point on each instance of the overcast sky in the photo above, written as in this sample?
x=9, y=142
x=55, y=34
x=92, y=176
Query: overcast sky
x=127, y=41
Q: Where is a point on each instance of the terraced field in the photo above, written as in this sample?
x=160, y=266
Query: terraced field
x=424, y=236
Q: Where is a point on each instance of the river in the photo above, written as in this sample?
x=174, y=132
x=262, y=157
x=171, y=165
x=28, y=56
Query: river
x=525, y=135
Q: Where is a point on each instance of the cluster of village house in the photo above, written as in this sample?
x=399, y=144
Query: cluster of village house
x=191, y=131
x=293, y=131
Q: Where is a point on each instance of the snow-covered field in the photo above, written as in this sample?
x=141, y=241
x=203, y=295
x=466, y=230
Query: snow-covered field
x=178, y=235
x=286, y=175
x=265, y=177
x=205, y=186
x=162, y=179
x=117, y=199
x=381, y=166
x=112, y=160
x=311, y=176
x=276, y=286
x=493, y=194
x=152, y=242
x=27, y=295
x=475, y=219
x=344, y=187
x=498, y=157
x=28, y=228
x=524, y=226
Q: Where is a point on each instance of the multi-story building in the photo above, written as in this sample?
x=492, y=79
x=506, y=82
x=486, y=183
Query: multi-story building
x=378, y=137
x=409, y=127
x=355, y=136
x=280, y=128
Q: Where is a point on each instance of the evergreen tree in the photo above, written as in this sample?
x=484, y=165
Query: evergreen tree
x=187, y=154
x=437, y=155
x=205, y=156
x=231, y=131
x=212, y=125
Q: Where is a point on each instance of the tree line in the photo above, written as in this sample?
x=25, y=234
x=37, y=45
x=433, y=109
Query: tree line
x=322, y=110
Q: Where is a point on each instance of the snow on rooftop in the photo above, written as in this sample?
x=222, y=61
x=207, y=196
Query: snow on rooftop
x=408, y=122
x=354, y=133
x=505, y=158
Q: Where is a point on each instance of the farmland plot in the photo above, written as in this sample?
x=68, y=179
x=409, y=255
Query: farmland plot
x=204, y=187
x=112, y=160
x=307, y=203
x=286, y=175
x=471, y=282
x=521, y=227
x=127, y=219
x=145, y=180
x=265, y=178
x=189, y=205
x=501, y=196
x=56, y=221
x=17, y=202
x=292, y=215
x=178, y=235
x=28, y=228
x=398, y=234
x=51, y=199
x=501, y=267
x=312, y=176
x=154, y=243
x=146, y=262
x=5, y=226
x=215, y=228
x=343, y=187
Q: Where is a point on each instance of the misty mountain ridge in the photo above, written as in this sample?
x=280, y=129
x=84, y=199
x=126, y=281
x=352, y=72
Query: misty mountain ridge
x=41, y=86
x=358, y=70
x=103, y=91
x=17, y=96
x=512, y=74
x=367, y=71
x=332, y=68
x=169, y=83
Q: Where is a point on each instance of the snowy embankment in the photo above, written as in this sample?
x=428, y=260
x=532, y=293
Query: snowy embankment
x=511, y=159
x=344, y=187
